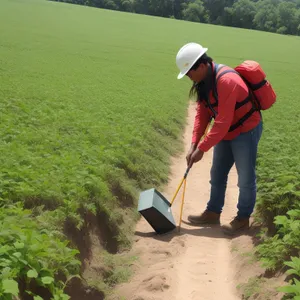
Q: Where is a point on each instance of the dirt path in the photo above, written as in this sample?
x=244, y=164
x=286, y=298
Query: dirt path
x=196, y=263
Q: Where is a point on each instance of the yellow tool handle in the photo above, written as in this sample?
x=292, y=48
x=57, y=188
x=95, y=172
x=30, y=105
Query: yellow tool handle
x=177, y=191
x=186, y=172
x=182, y=202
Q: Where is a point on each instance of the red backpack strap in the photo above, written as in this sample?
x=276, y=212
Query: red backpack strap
x=217, y=76
x=217, y=69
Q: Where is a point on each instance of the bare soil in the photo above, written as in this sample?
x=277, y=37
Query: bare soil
x=196, y=263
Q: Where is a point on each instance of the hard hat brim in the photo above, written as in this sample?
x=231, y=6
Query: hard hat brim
x=182, y=74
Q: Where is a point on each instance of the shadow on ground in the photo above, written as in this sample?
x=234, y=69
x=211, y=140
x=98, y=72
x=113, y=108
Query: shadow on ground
x=211, y=231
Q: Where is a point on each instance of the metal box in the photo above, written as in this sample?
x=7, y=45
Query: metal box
x=156, y=209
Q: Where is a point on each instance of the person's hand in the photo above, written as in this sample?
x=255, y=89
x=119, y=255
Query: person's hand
x=195, y=157
x=189, y=155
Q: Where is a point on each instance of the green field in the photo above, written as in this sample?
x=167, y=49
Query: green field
x=91, y=111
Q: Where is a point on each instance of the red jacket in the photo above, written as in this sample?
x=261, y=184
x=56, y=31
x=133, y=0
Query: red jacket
x=231, y=89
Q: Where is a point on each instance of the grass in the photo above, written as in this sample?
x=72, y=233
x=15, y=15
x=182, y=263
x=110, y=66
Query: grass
x=116, y=269
x=88, y=116
x=91, y=110
x=252, y=287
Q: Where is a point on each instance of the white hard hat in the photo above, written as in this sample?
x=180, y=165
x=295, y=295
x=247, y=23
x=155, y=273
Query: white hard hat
x=187, y=56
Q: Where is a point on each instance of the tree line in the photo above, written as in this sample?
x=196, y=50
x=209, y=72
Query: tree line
x=279, y=16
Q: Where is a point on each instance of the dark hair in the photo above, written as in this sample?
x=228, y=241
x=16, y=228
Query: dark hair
x=196, y=87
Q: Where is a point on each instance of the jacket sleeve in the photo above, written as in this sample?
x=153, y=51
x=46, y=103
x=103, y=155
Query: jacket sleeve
x=229, y=92
x=200, y=123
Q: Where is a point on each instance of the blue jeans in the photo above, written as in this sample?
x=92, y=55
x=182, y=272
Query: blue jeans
x=243, y=152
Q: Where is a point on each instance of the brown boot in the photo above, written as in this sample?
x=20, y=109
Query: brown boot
x=207, y=217
x=236, y=225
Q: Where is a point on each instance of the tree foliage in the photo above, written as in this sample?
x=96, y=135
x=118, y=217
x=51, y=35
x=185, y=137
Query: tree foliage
x=280, y=16
x=195, y=11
